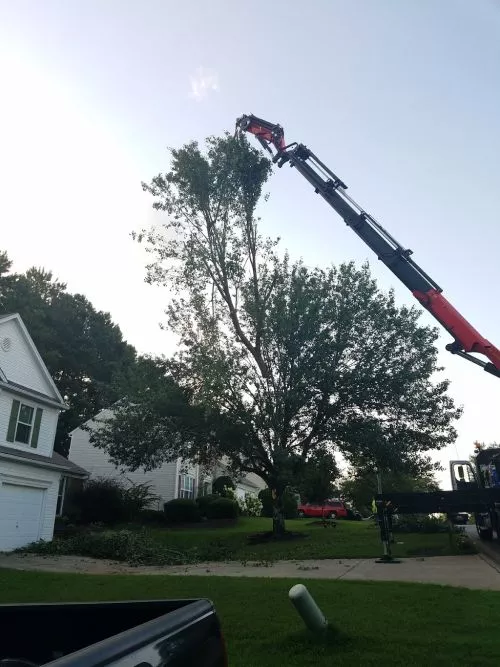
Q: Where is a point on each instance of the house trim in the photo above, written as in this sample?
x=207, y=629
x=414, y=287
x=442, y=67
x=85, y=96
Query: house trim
x=19, y=390
x=16, y=480
x=42, y=464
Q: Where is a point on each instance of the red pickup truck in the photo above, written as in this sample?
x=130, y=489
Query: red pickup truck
x=329, y=509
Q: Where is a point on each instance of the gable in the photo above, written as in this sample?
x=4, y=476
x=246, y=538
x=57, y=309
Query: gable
x=20, y=362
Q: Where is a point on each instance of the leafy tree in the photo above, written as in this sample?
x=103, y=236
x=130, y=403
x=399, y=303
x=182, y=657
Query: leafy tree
x=277, y=360
x=316, y=479
x=83, y=349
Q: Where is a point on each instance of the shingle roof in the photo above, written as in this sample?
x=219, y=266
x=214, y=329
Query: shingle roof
x=54, y=461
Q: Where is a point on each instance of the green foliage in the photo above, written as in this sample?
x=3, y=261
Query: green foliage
x=420, y=523
x=203, y=503
x=222, y=508
x=133, y=547
x=250, y=506
x=289, y=504
x=182, y=510
x=109, y=501
x=101, y=500
x=153, y=421
x=315, y=479
x=221, y=485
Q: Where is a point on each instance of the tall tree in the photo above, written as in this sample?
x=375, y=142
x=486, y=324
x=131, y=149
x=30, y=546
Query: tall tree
x=280, y=360
x=83, y=349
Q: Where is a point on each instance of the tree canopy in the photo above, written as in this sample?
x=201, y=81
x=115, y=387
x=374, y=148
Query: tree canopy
x=278, y=361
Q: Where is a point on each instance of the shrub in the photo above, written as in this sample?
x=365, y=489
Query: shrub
x=289, y=504
x=221, y=485
x=250, y=506
x=203, y=503
x=139, y=497
x=182, y=510
x=108, y=501
x=101, y=500
x=419, y=523
x=222, y=508
x=135, y=548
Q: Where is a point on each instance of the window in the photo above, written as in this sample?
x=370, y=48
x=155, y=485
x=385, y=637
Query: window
x=186, y=486
x=60, y=495
x=205, y=488
x=24, y=424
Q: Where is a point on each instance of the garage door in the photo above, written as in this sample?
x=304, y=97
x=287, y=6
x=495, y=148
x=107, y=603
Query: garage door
x=20, y=515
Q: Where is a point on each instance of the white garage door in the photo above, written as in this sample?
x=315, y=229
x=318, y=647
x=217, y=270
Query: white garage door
x=20, y=515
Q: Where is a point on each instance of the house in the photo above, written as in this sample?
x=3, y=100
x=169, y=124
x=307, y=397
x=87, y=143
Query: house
x=33, y=477
x=174, y=479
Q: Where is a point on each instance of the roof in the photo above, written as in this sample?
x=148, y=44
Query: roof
x=15, y=316
x=32, y=393
x=55, y=461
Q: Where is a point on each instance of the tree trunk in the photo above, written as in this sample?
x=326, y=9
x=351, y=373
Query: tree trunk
x=278, y=512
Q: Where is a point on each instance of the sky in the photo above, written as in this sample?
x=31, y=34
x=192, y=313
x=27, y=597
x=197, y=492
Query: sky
x=400, y=99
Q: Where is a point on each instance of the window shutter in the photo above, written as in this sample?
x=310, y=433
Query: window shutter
x=14, y=412
x=36, y=427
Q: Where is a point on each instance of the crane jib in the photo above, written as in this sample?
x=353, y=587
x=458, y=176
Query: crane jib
x=398, y=259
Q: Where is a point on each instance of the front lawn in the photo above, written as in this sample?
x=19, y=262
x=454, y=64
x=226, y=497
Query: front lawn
x=350, y=539
x=379, y=623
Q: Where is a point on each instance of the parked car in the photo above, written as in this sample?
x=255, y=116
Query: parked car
x=460, y=518
x=329, y=509
x=184, y=633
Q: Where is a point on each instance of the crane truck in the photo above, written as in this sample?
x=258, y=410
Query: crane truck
x=476, y=486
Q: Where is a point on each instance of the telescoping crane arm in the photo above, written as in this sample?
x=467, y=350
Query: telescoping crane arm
x=467, y=341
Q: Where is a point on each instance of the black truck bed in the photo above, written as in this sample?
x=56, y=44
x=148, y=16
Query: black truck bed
x=149, y=633
x=446, y=502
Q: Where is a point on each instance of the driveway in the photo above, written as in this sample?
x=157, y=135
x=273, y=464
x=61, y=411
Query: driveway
x=468, y=571
x=489, y=549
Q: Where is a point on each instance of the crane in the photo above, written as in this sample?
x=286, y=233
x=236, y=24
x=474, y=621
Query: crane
x=467, y=340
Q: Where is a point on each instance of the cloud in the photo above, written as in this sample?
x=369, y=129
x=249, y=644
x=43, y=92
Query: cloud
x=203, y=82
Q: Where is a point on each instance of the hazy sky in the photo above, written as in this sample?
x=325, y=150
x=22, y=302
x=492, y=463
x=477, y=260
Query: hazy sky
x=401, y=99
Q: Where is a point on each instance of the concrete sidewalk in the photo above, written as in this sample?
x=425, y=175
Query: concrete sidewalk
x=469, y=571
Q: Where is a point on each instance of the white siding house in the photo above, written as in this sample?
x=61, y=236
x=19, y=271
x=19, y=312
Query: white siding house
x=32, y=475
x=172, y=480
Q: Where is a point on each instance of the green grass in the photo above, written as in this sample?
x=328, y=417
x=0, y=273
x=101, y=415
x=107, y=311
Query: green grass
x=350, y=539
x=379, y=623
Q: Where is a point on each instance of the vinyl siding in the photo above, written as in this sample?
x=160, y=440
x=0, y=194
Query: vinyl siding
x=18, y=363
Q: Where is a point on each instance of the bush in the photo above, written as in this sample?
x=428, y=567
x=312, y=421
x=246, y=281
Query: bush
x=135, y=548
x=101, y=500
x=108, y=501
x=289, y=504
x=182, y=510
x=222, y=508
x=204, y=502
x=139, y=497
x=419, y=523
x=250, y=506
